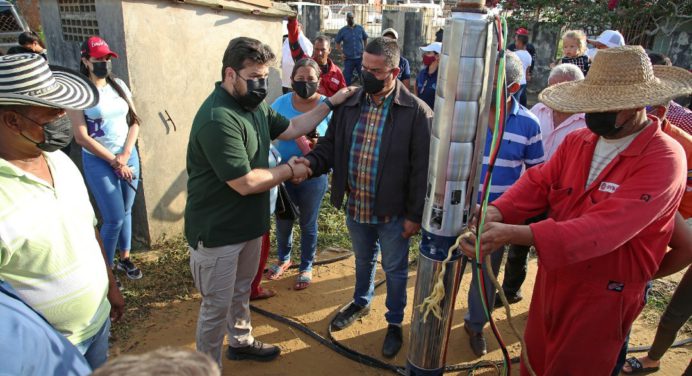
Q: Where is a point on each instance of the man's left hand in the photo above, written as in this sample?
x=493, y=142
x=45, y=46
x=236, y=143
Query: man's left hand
x=495, y=235
x=340, y=96
x=410, y=228
x=117, y=303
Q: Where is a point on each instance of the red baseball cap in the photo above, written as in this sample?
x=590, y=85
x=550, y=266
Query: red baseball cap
x=522, y=31
x=96, y=47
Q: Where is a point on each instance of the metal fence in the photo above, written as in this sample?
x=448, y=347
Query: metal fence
x=370, y=15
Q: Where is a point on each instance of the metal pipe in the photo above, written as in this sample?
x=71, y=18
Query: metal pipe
x=463, y=96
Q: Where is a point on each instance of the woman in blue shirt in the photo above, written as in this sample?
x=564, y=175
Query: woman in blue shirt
x=107, y=133
x=426, y=82
x=308, y=194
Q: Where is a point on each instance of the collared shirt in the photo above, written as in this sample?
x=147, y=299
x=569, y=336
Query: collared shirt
x=352, y=38
x=364, y=156
x=426, y=85
x=551, y=134
x=521, y=148
x=680, y=117
x=616, y=228
x=331, y=79
x=30, y=345
x=48, y=247
x=685, y=139
x=404, y=69
x=226, y=143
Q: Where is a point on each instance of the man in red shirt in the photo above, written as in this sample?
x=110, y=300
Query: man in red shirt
x=611, y=192
x=331, y=77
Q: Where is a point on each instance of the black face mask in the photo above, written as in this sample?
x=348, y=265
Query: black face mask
x=102, y=68
x=371, y=84
x=256, y=92
x=602, y=123
x=57, y=134
x=304, y=89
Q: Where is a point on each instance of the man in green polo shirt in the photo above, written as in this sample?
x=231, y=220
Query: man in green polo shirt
x=229, y=178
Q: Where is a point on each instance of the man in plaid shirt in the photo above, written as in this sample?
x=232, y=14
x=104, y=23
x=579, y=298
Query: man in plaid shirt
x=377, y=144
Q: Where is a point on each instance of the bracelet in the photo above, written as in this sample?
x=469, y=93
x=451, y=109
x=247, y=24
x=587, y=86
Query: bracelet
x=292, y=173
x=329, y=104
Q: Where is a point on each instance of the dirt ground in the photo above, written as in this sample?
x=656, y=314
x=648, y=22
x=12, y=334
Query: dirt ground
x=174, y=325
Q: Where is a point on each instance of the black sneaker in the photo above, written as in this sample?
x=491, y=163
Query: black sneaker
x=511, y=299
x=348, y=315
x=392, y=341
x=257, y=351
x=132, y=272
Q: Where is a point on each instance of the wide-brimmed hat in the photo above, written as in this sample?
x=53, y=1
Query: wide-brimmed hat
x=26, y=79
x=620, y=78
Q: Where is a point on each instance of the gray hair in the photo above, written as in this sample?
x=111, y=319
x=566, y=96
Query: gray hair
x=386, y=47
x=564, y=73
x=514, y=69
x=163, y=361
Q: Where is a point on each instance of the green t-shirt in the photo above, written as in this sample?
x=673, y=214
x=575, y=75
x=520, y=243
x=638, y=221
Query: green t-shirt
x=227, y=142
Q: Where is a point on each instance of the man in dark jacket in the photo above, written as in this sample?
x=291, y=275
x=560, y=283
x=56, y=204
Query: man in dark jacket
x=377, y=145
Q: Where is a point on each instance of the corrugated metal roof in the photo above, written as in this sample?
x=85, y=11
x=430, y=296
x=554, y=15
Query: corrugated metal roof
x=278, y=10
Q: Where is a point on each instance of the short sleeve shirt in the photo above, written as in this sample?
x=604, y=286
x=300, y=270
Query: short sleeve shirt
x=352, y=38
x=404, y=69
x=227, y=142
x=107, y=121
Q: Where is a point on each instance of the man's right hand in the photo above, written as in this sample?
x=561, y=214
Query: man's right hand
x=301, y=169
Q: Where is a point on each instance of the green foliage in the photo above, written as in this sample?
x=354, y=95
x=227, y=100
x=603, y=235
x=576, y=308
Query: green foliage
x=643, y=17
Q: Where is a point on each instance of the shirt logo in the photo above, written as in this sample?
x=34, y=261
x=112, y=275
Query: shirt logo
x=334, y=80
x=608, y=187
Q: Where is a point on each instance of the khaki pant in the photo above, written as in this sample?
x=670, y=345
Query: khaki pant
x=223, y=276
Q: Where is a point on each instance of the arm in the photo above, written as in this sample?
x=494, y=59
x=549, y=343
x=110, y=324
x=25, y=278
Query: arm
x=115, y=298
x=82, y=137
x=321, y=158
x=306, y=122
x=680, y=254
x=261, y=180
x=297, y=52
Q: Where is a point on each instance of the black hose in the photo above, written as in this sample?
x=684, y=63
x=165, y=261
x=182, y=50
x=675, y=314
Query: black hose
x=341, y=349
x=346, y=254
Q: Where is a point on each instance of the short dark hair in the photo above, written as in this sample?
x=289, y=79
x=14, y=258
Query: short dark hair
x=242, y=50
x=323, y=38
x=306, y=62
x=523, y=38
x=659, y=59
x=386, y=47
x=28, y=37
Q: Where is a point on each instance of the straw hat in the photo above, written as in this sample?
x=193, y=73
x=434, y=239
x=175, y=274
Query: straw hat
x=620, y=78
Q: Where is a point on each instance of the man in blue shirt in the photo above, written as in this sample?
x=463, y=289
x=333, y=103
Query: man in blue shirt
x=351, y=40
x=30, y=345
x=521, y=147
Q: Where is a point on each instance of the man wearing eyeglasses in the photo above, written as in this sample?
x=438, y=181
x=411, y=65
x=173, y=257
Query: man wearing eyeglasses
x=377, y=144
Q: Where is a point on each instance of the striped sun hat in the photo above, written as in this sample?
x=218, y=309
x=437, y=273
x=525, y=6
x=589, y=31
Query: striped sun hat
x=26, y=79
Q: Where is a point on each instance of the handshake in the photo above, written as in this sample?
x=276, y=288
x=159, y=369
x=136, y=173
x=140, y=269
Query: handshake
x=300, y=169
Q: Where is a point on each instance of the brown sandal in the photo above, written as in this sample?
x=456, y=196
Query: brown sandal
x=263, y=294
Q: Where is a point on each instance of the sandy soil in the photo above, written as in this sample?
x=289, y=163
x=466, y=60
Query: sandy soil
x=174, y=325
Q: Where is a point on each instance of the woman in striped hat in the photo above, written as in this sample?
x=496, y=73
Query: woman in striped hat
x=107, y=133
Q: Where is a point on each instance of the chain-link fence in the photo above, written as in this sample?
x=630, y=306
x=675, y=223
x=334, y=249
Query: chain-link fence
x=11, y=25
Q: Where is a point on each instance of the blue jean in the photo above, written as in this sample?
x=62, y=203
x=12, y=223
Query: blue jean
x=114, y=198
x=475, y=317
x=367, y=240
x=308, y=196
x=352, y=66
x=95, y=349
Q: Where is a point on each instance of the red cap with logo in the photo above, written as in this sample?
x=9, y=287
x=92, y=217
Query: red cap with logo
x=522, y=31
x=97, y=48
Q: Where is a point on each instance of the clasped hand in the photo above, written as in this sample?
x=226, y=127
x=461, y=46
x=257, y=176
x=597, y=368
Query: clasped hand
x=301, y=169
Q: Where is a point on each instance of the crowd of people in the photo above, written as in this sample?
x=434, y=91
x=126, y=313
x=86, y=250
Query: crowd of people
x=595, y=177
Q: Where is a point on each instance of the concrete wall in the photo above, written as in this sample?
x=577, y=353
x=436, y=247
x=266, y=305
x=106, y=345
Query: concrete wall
x=545, y=38
x=174, y=54
x=677, y=46
x=410, y=27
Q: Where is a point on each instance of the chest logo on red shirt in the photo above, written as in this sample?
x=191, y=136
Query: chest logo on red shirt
x=608, y=187
x=335, y=80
